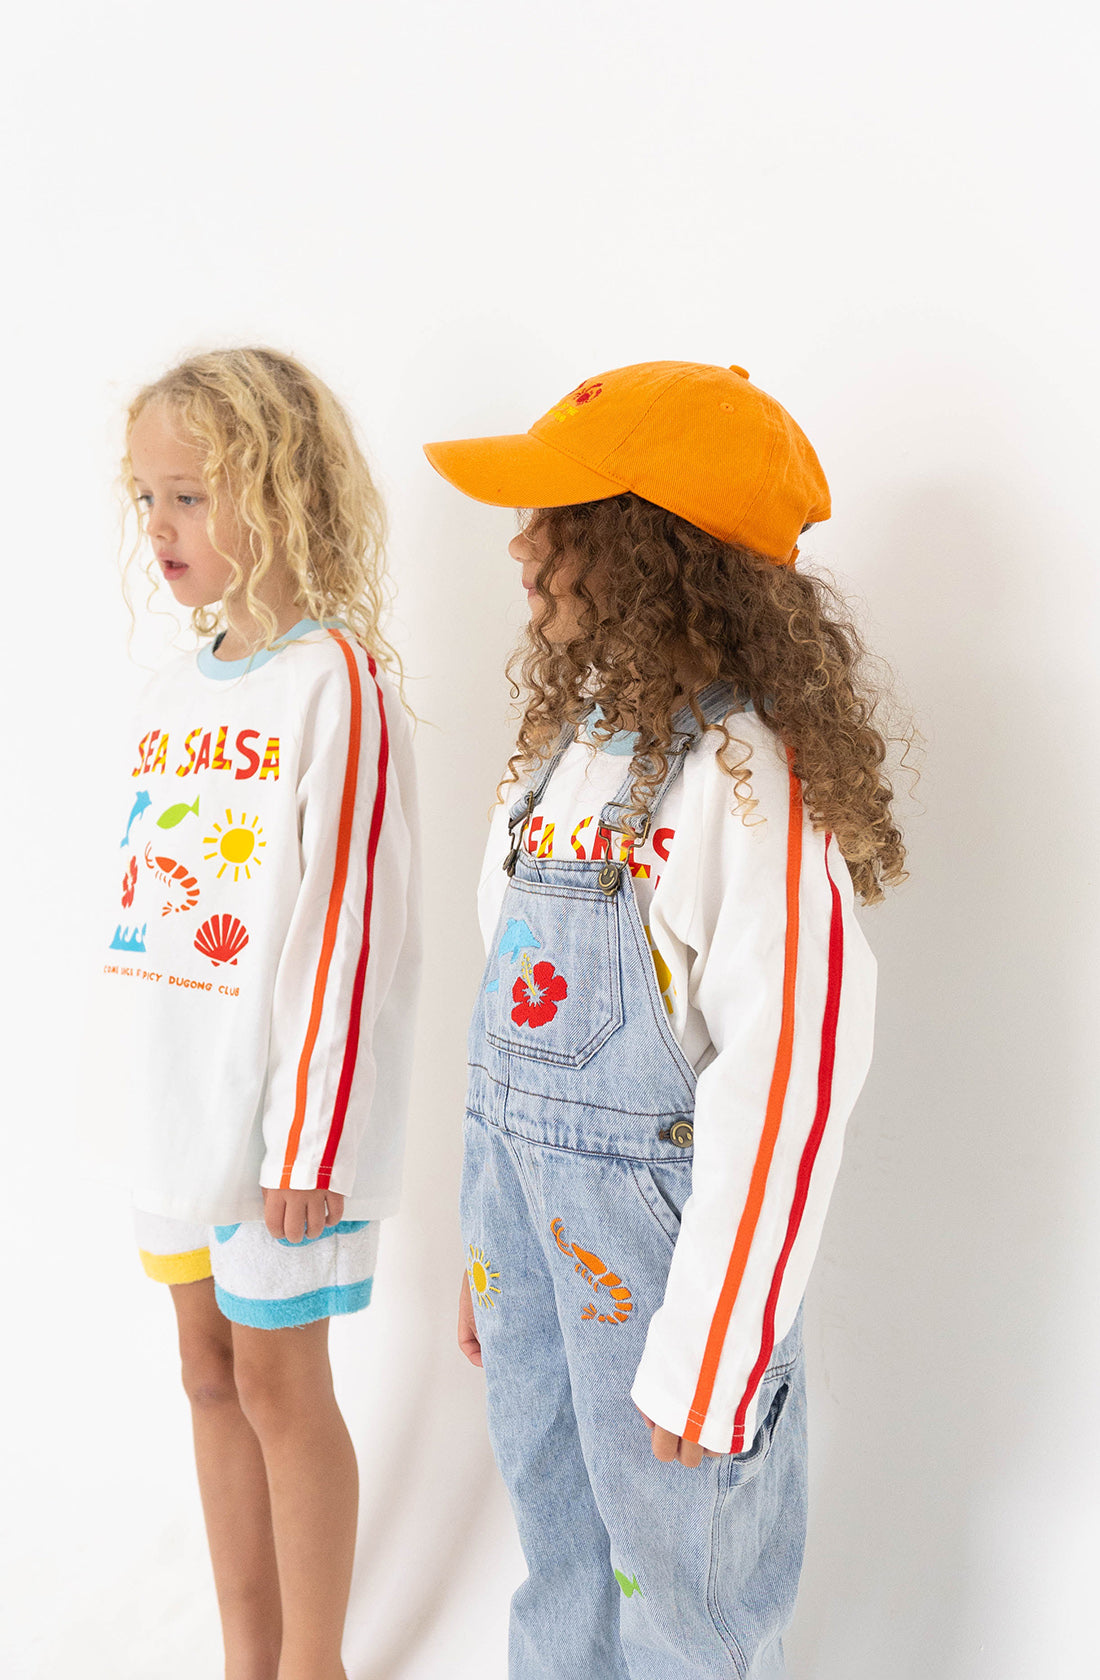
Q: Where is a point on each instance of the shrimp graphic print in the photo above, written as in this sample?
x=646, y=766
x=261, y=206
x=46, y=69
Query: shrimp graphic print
x=181, y=886
x=599, y=1275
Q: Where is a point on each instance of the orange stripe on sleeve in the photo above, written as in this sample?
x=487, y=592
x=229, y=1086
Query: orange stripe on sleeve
x=336, y=895
x=777, y=1093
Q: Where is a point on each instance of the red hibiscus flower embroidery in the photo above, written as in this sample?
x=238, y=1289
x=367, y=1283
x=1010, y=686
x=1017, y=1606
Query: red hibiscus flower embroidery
x=536, y=999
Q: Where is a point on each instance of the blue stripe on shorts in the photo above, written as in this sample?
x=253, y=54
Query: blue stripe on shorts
x=299, y=1309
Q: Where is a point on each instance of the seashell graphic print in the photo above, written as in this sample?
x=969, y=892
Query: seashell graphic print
x=221, y=938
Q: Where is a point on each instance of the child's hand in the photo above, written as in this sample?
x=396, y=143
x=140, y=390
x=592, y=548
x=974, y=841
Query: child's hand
x=467, y=1328
x=295, y=1214
x=667, y=1446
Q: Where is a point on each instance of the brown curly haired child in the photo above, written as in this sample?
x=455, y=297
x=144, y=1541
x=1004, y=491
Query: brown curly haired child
x=675, y=1019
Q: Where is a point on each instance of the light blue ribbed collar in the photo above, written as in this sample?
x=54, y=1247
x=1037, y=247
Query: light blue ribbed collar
x=222, y=670
x=624, y=744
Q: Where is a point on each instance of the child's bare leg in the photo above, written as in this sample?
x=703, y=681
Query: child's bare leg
x=285, y=1385
x=233, y=1484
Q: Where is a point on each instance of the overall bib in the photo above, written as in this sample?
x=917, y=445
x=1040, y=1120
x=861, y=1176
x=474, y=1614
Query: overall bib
x=577, y=1166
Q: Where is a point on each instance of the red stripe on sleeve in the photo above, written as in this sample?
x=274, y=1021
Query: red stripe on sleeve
x=336, y=895
x=777, y=1094
x=809, y=1153
x=351, y=1048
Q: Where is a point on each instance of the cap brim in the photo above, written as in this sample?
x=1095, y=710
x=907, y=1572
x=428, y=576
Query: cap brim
x=518, y=471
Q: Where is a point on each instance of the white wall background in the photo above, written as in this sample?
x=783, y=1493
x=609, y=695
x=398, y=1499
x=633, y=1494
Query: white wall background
x=456, y=212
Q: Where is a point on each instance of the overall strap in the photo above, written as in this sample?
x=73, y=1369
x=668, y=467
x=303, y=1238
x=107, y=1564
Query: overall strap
x=715, y=701
x=520, y=814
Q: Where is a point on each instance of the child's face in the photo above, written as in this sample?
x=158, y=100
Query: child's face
x=168, y=478
x=560, y=621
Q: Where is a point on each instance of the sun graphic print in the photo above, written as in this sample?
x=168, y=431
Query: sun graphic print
x=237, y=846
x=484, y=1282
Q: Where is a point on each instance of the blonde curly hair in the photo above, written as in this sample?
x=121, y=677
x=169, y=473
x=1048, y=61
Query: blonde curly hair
x=279, y=450
x=659, y=598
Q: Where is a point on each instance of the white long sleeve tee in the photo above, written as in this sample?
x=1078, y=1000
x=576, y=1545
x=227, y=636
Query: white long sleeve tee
x=266, y=935
x=769, y=984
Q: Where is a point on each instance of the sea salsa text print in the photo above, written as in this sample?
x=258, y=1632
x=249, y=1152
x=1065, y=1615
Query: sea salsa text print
x=540, y=843
x=243, y=758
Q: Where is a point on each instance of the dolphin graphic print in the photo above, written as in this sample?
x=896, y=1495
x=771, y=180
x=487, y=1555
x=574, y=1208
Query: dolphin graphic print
x=518, y=937
x=142, y=803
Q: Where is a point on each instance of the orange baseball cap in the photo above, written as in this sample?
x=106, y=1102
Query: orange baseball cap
x=698, y=440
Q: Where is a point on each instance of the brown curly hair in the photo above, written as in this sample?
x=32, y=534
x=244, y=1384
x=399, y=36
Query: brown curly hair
x=663, y=611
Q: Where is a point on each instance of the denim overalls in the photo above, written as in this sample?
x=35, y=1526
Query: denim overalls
x=577, y=1164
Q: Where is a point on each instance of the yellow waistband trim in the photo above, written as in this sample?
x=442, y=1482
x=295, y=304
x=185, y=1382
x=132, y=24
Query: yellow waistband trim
x=177, y=1268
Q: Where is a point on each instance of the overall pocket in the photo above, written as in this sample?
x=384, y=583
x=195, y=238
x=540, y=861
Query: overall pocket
x=771, y=1404
x=547, y=998
x=664, y=1187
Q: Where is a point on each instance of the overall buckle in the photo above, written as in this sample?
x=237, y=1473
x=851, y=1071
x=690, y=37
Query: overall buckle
x=520, y=821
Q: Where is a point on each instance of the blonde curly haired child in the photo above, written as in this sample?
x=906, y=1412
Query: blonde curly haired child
x=265, y=951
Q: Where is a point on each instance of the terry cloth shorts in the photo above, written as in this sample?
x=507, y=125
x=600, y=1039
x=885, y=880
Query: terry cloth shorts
x=261, y=1280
